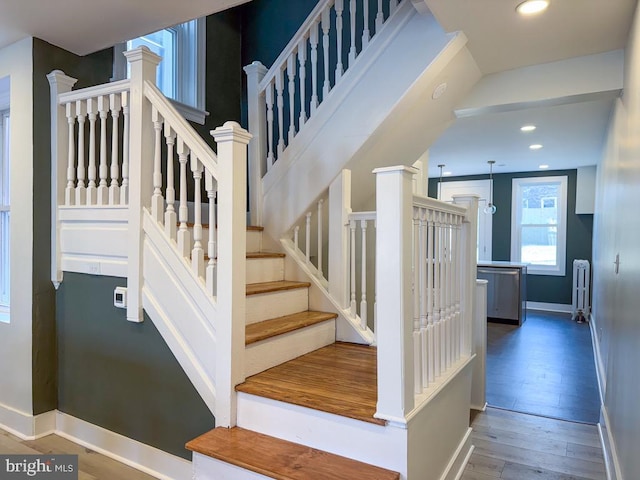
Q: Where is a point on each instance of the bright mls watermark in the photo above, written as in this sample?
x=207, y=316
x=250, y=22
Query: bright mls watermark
x=50, y=467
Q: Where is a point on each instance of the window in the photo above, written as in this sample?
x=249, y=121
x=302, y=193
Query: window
x=181, y=73
x=538, y=224
x=4, y=216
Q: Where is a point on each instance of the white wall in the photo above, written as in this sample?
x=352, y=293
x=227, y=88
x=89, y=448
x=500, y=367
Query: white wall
x=15, y=337
x=616, y=299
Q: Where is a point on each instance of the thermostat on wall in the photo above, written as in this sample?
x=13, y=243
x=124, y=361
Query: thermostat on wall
x=120, y=297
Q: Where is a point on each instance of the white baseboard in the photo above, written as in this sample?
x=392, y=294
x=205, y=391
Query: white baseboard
x=458, y=463
x=549, y=307
x=140, y=456
x=597, y=356
x=611, y=463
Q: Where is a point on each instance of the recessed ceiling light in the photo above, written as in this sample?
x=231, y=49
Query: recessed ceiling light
x=535, y=146
x=531, y=7
x=543, y=167
x=528, y=128
x=447, y=174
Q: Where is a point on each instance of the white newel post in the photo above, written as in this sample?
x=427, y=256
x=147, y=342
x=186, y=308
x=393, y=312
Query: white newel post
x=339, y=210
x=478, y=381
x=469, y=259
x=257, y=111
x=232, y=142
x=394, y=203
x=143, y=64
x=58, y=83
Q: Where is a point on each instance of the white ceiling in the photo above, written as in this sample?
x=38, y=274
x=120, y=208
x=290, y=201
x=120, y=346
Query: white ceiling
x=573, y=131
x=86, y=26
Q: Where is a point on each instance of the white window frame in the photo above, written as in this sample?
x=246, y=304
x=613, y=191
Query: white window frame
x=189, y=68
x=5, y=209
x=516, y=224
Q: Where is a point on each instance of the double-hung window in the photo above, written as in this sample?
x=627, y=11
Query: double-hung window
x=181, y=73
x=539, y=224
x=5, y=216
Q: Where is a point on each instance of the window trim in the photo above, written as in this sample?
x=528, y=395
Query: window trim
x=5, y=306
x=516, y=228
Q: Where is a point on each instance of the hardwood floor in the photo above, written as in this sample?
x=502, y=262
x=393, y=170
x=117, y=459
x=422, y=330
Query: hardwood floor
x=545, y=367
x=92, y=465
x=517, y=446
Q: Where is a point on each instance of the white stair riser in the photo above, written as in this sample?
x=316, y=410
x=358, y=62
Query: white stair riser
x=265, y=270
x=383, y=446
x=276, y=304
x=254, y=241
x=263, y=355
x=209, y=468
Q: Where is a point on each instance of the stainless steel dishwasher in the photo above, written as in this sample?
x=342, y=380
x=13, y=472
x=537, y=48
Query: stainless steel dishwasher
x=505, y=292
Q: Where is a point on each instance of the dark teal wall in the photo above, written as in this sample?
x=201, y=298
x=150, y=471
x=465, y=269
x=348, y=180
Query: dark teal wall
x=540, y=288
x=121, y=375
x=89, y=70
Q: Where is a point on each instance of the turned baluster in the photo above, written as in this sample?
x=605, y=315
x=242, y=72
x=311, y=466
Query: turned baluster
x=114, y=187
x=211, y=187
x=320, y=202
x=326, y=26
x=291, y=74
x=197, y=254
x=103, y=171
x=157, y=201
x=352, y=19
x=313, y=39
x=170, y=217
x=124, y=190
x=339, y=6
x=302, y=77
x=269, y=101
x=93, y=115
x=184, y=236
x=81, y=189
x=69, y=192
x=363, y=297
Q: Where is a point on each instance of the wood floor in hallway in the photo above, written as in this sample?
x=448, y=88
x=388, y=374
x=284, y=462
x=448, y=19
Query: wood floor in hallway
x=517, y=446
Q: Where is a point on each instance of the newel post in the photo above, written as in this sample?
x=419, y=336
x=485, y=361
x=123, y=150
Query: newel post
x=339, y=210
x=257, y=111
x=58, y=83
x=394, y=234
x=232, y=142
x=143, y=64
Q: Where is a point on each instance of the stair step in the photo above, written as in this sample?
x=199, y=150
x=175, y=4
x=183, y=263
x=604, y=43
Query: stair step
x=267, y=287
x=339, y=378
x=254, y=255
x=281, y=459
x=257, y=332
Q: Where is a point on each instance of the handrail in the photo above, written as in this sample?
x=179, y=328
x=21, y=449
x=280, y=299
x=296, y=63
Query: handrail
x=357, y=216
x=195, y=142
x=433, y=204
x=96, y=91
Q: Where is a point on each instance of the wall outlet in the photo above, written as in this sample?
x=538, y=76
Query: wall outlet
x=120, y=297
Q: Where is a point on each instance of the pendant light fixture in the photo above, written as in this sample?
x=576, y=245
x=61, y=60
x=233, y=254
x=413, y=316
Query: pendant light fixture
x=490, y=209
x=441, y=166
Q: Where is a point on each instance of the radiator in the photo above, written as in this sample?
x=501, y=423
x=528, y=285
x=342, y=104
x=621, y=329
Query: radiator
x=581, y=288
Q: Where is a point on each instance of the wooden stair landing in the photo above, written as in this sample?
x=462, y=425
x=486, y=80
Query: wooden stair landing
x=340, y=378
x=280, y=459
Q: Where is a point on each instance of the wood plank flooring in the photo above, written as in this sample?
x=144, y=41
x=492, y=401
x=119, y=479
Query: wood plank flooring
x=545, y=367
x=92, y=465
x=517, y=446
x=340, y=378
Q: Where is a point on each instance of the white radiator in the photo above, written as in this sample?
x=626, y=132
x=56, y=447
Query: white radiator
x=581, y=288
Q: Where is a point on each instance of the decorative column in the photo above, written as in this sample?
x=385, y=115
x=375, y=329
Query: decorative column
x=58, y=83
x=143, y=64
x=339, y=210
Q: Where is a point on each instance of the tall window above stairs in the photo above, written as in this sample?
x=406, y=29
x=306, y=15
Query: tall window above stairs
x=181, y=74
x=4, y=216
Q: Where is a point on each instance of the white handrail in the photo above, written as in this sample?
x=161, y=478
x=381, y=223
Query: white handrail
x=96, y=91
x=437, y=205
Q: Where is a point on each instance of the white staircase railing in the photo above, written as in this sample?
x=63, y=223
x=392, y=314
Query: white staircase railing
x=284, y=98
x=150, y=161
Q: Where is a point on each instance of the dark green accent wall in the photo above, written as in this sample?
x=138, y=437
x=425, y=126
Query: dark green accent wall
x=540, y=288
x=89, y=70
x=120, y=375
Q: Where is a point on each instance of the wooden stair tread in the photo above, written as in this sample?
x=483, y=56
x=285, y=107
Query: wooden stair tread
x=257, y=332
x=280, y=459
x=250, y=228
x=340, y=378
x=265, y=255
x=266, y=287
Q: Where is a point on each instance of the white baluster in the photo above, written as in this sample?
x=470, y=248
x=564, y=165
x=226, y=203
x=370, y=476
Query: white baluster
x=296, y=237
x=210, y=186
x=436, y=293
x=92, y=113
x=417, y=351
x=280, y=104
x=302, y=76
x=114, y=187
x=442, y=292
x=157, y=201
x=379, y=17
x=320, y=202
x=103, y=172
x=184, y=236
x=457, y=268
x=447, y=290
x=69, y=192
x=307, y=238
x=313, y=39
x=326, y=26
x=291, y=73
x=352, y=229
x=170, y=217
x=366, y=34
x=430, y=295
x=81, y=190
x=269, y=101
x=422, y=285
x=339, y=6
x=352, y=18
x=363, y=299
x=124, y=190
x=197, y=254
